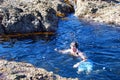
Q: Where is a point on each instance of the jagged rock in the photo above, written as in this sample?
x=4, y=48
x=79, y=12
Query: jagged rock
x=1, y=29
x=11, y=70
x=1, y=1
x=105, y=11
x=23, y=16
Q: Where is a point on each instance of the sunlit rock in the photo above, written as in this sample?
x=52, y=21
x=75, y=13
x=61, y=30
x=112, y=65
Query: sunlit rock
x=104, y=11
x=23, y=16
x=11, y=70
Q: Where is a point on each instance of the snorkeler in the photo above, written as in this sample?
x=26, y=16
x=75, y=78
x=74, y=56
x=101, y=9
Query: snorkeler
x=73, y=51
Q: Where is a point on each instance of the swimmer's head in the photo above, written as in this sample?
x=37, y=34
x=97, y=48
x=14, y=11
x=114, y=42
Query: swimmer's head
x=74, y=44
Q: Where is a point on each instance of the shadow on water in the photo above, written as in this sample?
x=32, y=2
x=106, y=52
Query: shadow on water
x=101, y=44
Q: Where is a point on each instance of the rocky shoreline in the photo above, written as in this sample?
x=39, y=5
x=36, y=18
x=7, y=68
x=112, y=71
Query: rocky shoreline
x=40, y=15
x=25, y=16
x=102, y=11
x=11, y=70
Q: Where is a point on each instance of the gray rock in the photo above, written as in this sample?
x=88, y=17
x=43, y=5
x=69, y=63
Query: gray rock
x=23, y=24
x=11, y=70
x=104, y=11
x=24, y=16
x=1, y=1
x=1, y=29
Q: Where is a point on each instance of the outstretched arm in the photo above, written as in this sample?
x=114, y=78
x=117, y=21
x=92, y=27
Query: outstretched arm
x=63, y=51
x=76, y=65
x=81, y=55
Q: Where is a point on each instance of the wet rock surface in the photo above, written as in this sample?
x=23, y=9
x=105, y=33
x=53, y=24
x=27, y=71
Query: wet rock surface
x=10, y=70
x=23, y=16
x=104, y=11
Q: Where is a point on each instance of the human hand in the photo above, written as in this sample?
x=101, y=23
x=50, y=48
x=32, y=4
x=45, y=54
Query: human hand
x=76, y=65
x=83, y=60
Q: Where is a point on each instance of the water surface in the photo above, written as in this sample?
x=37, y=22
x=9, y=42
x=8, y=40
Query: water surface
x=101, y=44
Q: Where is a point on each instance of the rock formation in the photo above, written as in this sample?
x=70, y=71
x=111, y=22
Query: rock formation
x=24, y=16
x=11, y=70
x=104, y=11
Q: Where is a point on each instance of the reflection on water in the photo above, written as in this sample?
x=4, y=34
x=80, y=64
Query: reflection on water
x=101, y=43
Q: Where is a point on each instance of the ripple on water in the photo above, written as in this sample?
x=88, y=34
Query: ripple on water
x=100, y=42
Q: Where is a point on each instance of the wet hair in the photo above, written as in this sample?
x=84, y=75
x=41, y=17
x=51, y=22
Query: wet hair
x=74, y=44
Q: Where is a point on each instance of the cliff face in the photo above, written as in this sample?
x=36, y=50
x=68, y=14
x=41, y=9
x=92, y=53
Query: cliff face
x=105, y=11
x=23, y=16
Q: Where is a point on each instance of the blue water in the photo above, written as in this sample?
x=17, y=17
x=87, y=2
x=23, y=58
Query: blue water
x=100, y=43
x=86, y=66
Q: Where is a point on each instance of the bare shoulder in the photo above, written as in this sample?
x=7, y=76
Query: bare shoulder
x=67, y=50
x=82, y=55
x=80, y=52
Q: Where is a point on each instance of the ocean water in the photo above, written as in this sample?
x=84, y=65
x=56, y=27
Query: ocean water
x=99, y=42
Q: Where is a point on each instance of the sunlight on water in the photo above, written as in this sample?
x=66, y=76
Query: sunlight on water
x=101, y=43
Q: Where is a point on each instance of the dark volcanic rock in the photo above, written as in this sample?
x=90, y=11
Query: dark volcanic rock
x=1, y=29
x=1, y=1
x=23, y=16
